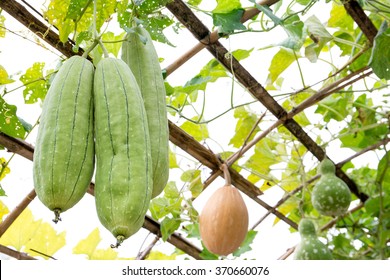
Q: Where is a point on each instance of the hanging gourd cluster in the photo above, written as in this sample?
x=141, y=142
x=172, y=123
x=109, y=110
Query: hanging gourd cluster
x=116, y=113
x=224, y=219
x=330, y=197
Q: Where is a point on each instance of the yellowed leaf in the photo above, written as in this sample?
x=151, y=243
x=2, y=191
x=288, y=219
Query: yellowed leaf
x=3, y=210
x=88, y=247
x=21, y=231
x=46, y=241
x=288, y=206
x=157, y=255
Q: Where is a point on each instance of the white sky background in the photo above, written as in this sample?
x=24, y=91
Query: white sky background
x=17, y=54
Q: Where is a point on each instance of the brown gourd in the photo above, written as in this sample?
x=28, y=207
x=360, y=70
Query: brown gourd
x=223, y=222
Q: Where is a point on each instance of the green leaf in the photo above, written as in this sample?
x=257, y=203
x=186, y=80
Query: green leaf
x=320, y=36
x=280, y=62
x=9, y=122
x=190, y=175
x=56, y=15
x=194, y=2
x=357, y=138
x=364, y=128
x=73, y=15
x=198, y=131
x=383, y=174
x=294, y=28
x=112, y=47
x=339, y=18
x=2, y=192
x=148, y=14
x=380, y=58
x=345, y=48
x=241, y=54
x=196, y=186
x=150, y=6
x=123, y=13
x=76, y=8
x=227, y=15
x=226, y=6
x=361, y=61
x=229, y=21
x=88, y=247
x=83, y=37
x=245, y=122
x=4, y=78
x=161, y=206
x=211, y=72
x=264, y=157
x=287, y=207
x=171, y=191
x=207, y=255
x=303, y=2
x=172, y=160
x=292, y=102
x=155, y=24
x=268, y=12
x=192, y=230
x=364, y=177
x=246, y=244
x=35, y=83
x=335, y=107
x=104, y=10
x=168, y=226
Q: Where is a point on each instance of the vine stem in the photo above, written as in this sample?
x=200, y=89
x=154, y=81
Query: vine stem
x=94, y=44
x=226, y=174
x=103, y=48
x=300, y=70
x=97, y=38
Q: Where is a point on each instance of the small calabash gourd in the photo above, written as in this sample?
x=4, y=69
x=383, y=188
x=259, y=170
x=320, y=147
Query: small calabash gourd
x=223, y=222
x=331, y=195
x=310, y=247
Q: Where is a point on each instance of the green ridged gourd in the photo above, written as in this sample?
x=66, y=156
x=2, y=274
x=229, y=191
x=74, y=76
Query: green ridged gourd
x=141, y=56
x=310, y=247
x=64, y=157
x=331, y=195
x=123, y=179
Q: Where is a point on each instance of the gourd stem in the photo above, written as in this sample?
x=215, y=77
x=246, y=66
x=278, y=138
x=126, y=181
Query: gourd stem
x=90, y=49
x=119, y=241
x=105, y=52
x=226, y=174
x=57, y=213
